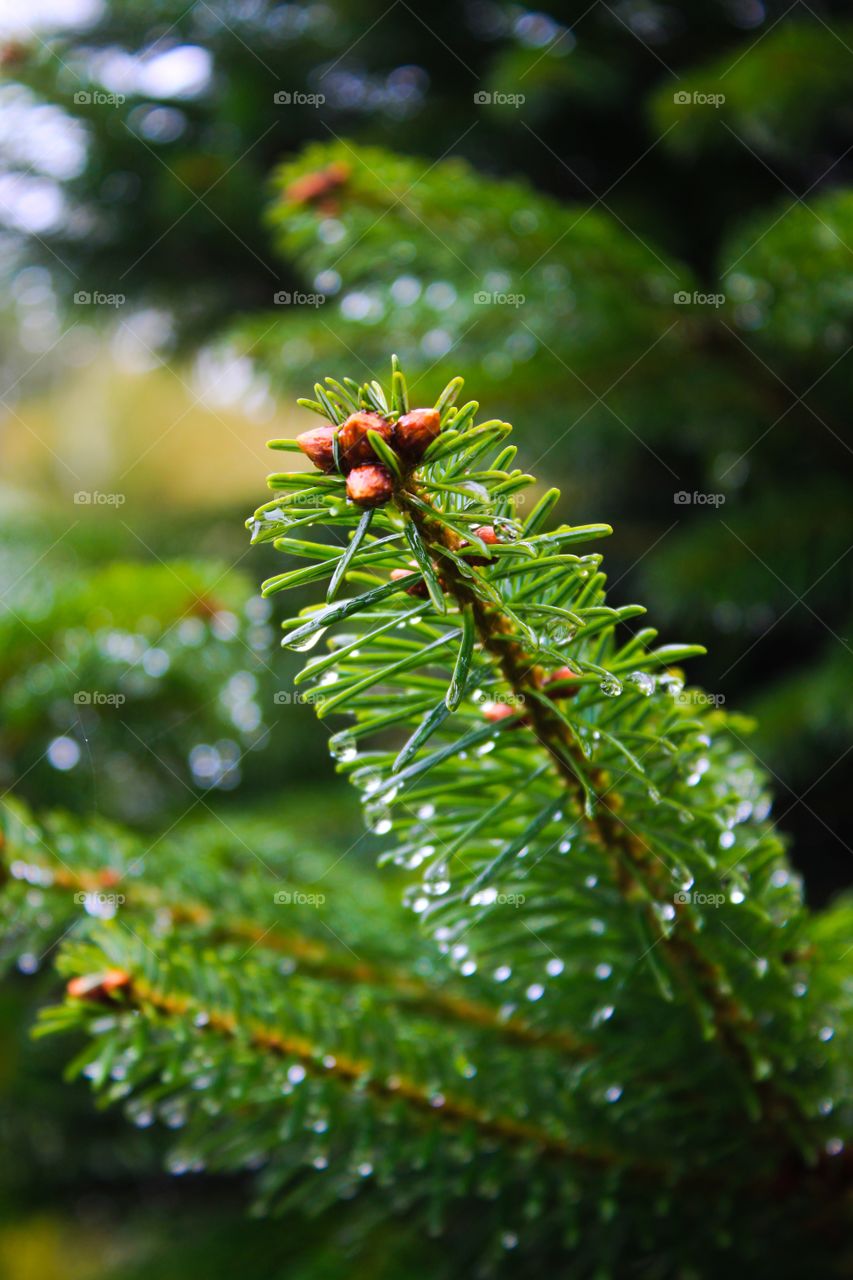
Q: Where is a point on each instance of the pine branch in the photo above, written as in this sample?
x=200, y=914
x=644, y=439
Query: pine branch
x=73, y=894
x=581, y=744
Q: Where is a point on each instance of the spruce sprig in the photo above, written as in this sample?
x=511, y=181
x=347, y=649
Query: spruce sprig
x=522, y=743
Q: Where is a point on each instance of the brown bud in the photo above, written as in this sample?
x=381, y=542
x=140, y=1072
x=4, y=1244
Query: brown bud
x=98, y=986
x=355, y=448
x=495, y=712
x=316, y=444
x=486, y=534
x=369, y=486
x=568, y=690
x=12, y=53
x=415, y=432
x=418, y=587
x=317, y=186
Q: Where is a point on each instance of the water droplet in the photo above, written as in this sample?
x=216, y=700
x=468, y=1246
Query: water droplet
x=826, y=1033
x=614, y=1093
x=502, y=972
x=554, y=967
x=343, y=747
x=304, y=646
x=611, y=687
x=535, y=991
x=603, y=971
x=296, y=1074
x=644, y=682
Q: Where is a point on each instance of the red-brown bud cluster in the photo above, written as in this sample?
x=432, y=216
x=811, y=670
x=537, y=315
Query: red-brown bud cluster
x=98, y=986
x=369, y=483
x=319, y=188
